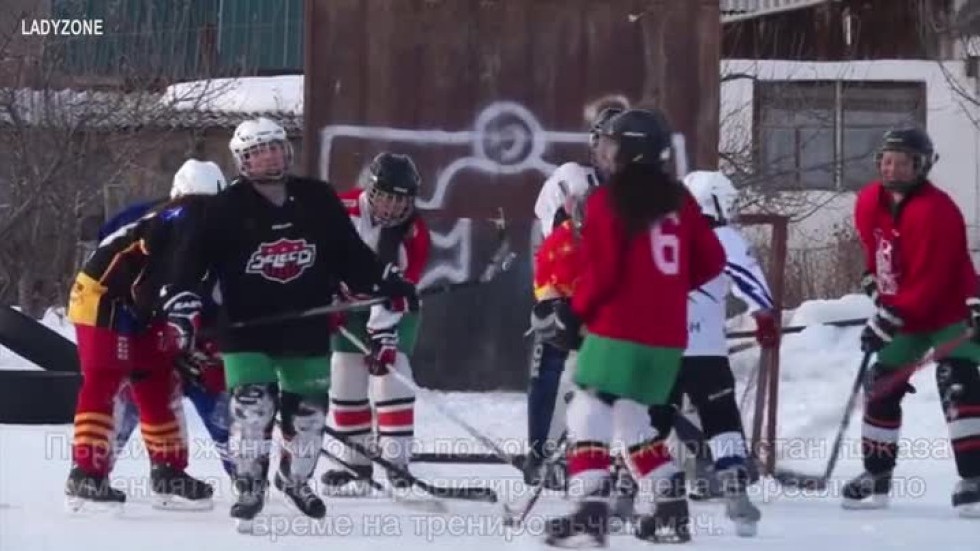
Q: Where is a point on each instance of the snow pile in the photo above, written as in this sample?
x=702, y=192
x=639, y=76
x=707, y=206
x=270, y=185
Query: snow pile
x=283, y=94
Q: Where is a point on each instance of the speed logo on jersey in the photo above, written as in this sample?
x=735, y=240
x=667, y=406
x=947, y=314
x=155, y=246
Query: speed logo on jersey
x=283, y=260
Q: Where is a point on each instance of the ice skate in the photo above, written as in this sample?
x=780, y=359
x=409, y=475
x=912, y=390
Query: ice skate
x=867, y=491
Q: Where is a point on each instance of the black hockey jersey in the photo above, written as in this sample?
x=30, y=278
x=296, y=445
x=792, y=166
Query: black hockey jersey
x=271, y=259
x=118, y=287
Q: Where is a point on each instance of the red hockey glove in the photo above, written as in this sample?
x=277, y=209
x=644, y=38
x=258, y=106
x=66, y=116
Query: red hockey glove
x=766, y=328
x=384, y=350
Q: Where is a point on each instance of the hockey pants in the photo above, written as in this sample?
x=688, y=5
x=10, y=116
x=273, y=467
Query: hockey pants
x=617, y=382
x=394, y=407
x=107, y=359
x=958, y=382
x=710, y=385
x=211, y=406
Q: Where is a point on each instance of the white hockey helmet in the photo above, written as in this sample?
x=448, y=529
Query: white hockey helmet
x=714, y=193
x=197, y=178
x=253, y=136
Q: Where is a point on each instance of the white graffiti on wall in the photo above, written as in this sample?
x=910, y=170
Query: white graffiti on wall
x=506, y=139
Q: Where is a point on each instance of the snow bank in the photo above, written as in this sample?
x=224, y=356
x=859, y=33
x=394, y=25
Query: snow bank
x=246, y=94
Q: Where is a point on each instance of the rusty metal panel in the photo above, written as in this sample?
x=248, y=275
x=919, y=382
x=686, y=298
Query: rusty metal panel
x=488, y=97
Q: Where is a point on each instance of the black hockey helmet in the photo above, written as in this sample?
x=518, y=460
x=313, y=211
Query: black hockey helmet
x=643, y=136
x=916, y=143
x=394, y=184
x=600, y=121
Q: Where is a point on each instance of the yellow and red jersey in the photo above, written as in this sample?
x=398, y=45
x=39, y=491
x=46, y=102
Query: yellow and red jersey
x=556, y=263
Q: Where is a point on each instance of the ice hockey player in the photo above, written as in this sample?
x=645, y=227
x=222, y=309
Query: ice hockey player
x=277, y=244
x=114, y=307
x=915, y=245
x=706, y=375
x=568, y=184
x=644, y=238
x=385, y=217
x=201, y=373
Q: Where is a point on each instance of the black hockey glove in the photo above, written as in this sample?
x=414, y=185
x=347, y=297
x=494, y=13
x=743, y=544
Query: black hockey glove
x=183, y=312
x=384, y=350
x=869, y=285
x=880, y=330
x=553, y=321
x=973, y=303
x=401, y=293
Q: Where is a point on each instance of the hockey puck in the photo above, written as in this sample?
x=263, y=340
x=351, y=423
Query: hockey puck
x=38, y=397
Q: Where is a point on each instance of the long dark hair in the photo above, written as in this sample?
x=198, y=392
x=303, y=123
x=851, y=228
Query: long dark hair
x=641, y=194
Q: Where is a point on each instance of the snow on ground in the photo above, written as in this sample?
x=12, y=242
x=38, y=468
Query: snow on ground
x=817, y=369
x=244, y=94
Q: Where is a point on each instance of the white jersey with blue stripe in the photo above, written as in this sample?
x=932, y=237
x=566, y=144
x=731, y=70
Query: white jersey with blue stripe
x=706, y=305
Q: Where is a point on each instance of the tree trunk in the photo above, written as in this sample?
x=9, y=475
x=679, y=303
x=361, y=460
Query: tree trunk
x=30, y=295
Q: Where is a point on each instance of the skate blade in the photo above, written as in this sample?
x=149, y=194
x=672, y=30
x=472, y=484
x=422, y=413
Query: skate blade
x=349, y=490
x=165, y=502
x=746, y=528
x=877, y=501
x=576, y=541
x=244, y=526
x=971, y=510
x=77, y=505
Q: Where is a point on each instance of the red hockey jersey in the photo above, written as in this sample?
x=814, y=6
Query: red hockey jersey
x=919, y=255
x=636, y=290
x=556, y=264
x=410, y=252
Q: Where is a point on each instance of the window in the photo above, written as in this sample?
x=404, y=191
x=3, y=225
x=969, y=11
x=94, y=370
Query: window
x=822, y=135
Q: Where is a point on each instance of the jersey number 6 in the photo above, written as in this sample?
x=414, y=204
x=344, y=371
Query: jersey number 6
x=666, y=246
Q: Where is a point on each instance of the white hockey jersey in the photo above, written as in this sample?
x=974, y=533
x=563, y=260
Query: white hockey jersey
x=569, y=179
x=706, y=305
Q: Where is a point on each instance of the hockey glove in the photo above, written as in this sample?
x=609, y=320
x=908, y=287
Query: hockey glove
x=384, y=350
x=869, y=285
x=202, y=367
x=973, y=303
x=553, y=322
x=401, y=293
x=766, y=328
x=183, y=312
x=880, y=330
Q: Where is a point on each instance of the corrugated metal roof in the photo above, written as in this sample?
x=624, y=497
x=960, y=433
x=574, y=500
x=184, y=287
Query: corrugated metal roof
x=111, y=110
x=740, y=10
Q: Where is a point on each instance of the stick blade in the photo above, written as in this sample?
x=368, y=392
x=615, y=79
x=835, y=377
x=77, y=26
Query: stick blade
x=800, y=480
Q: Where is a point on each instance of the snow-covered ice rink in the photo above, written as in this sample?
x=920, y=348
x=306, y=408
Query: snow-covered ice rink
x=818, y=366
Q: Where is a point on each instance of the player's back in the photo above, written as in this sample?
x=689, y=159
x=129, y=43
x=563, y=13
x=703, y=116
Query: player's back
x=637, y=288
x=127, y=269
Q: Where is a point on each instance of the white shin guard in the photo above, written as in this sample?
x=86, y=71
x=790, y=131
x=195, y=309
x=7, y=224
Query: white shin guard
x=253, y=409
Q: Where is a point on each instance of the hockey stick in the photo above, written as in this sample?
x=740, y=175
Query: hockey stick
x=469, y=493
x=882, y=388
x=428, y=505
x=819, y=482
x=408, y=382
x=853, y=322
x=500, y=262
x=515, y=518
